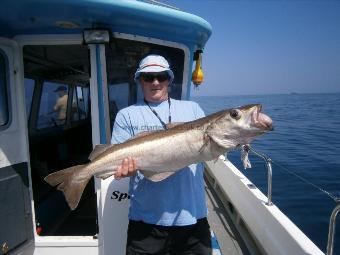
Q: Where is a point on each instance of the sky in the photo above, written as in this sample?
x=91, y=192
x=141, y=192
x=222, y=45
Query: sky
x=269, y=47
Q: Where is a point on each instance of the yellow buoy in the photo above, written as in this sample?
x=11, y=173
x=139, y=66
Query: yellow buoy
x=197, y=75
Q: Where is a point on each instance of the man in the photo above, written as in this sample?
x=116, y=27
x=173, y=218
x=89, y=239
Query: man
x=167, y=217
x=61, y=104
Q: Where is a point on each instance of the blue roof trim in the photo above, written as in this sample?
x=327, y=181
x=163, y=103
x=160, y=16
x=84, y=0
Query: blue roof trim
x=132, y=17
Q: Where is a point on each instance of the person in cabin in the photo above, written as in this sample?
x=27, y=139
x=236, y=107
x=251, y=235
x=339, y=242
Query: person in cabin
x=60, y=106
x=170, y=216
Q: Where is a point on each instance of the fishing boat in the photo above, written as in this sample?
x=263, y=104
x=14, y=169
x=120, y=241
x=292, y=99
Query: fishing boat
x=89, y=50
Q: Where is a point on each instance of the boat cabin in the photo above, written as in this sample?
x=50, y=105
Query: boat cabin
x=66, y=69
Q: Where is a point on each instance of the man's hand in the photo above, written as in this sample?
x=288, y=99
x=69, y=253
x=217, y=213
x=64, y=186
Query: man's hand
x=126, y=169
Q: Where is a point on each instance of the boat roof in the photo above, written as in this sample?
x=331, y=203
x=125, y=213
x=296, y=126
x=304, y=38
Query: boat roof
x=20, y=17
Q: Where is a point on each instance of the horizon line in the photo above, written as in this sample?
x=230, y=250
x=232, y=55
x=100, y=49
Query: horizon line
x=269, y=94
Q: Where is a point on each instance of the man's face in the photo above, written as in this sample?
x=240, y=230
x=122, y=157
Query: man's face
x=155, y=86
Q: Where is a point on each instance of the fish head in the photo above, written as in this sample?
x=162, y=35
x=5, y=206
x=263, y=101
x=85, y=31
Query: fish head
x=239, y=126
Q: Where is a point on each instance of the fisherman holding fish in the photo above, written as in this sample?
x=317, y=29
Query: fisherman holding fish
x=166, y=217
x=167, y=211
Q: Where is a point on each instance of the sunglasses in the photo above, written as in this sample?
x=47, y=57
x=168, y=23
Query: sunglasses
x=149, y=77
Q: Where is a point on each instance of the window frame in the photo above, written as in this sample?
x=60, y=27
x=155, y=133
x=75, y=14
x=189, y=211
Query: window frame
x=4, y=54
x=28, y=113
x=81, y=88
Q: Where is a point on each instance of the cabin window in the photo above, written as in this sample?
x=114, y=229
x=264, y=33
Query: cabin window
x=75, y=108
x=29, y=89
x=140, y=95
x=85, y=99
x=118, y=98
x=122, y=60
x=119, y=94
x=53, y=105
x=79, y=111
x=4, y=111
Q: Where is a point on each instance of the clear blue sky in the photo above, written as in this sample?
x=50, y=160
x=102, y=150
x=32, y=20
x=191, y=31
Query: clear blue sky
x=269, y=47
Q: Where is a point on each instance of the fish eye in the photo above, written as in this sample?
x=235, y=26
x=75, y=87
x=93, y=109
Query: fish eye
x=235, y=114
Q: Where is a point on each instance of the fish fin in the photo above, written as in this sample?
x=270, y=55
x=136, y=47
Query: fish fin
x=104, y=176
x=156, y=177
x=173, y=124
x=67, y=183
x=99, y=149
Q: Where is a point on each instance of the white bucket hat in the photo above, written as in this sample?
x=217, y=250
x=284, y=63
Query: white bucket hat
x=153, y=64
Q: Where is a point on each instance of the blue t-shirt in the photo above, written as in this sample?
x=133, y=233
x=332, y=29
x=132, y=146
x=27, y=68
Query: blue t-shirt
x=178, y=200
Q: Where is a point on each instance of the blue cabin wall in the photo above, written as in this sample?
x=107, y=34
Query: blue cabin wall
x=39, y=17
x=131, y=17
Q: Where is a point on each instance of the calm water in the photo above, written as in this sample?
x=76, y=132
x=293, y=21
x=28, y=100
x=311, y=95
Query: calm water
x=306, y=140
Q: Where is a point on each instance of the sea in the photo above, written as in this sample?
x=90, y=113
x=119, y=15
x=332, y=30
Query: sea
x=305, y=149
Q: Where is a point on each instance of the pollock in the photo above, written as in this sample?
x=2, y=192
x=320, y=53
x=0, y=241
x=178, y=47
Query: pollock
x=159, y=154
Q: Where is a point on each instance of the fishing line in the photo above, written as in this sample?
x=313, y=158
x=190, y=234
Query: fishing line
x=248, y=148
x=329, y=194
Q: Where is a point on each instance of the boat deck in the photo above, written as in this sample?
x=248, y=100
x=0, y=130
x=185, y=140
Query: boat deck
x=228, y=238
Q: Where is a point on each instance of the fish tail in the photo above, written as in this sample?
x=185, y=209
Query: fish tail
x=68, y=182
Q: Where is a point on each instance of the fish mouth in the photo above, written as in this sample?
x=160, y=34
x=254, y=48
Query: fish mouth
x=259, y=119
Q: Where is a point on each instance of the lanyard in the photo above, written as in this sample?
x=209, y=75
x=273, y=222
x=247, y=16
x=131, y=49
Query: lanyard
x=156, y=114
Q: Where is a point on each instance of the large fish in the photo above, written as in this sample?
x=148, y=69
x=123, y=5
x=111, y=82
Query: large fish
x=160, y=154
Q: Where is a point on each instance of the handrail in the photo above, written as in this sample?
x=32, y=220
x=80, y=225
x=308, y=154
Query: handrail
x=331, y=230
x=268, y=162
x=332, y=221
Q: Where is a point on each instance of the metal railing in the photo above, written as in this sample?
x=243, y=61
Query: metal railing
x=268, y=163
x=331, y=231
x=332, y=221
